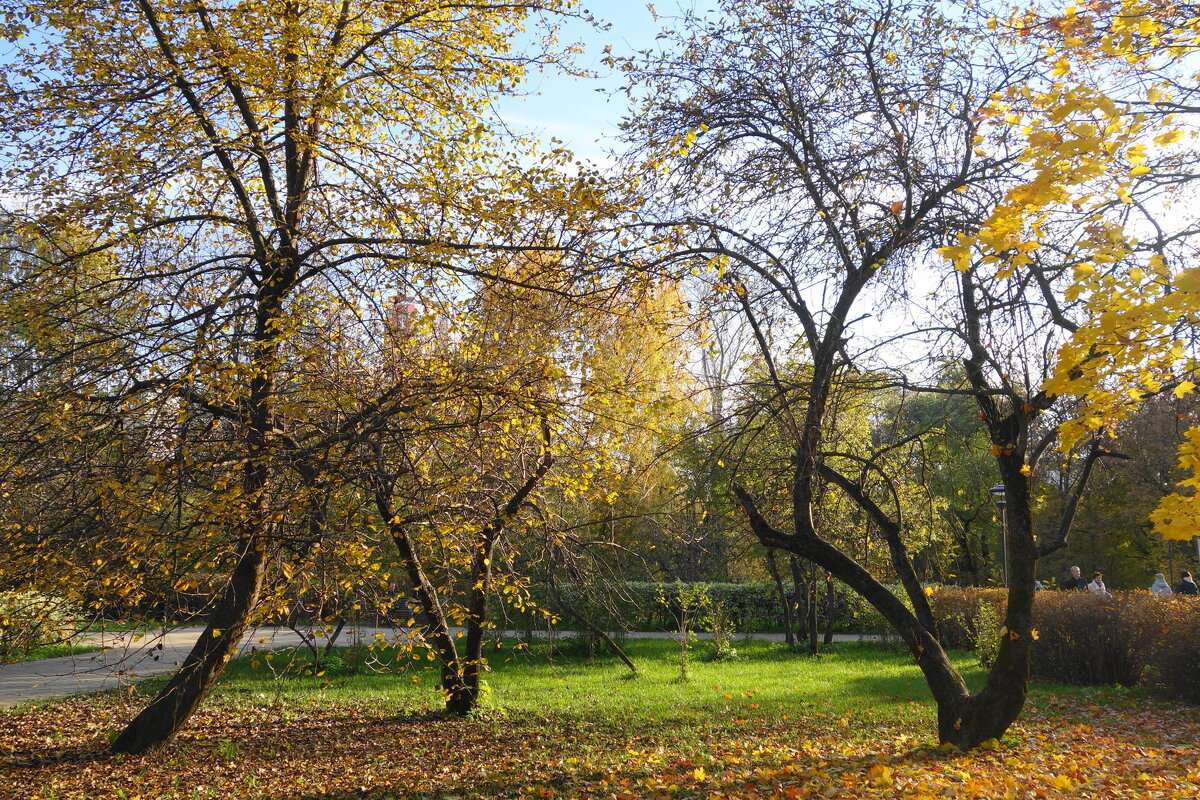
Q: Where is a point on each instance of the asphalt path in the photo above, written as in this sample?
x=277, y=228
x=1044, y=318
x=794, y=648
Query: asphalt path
x=126, y=658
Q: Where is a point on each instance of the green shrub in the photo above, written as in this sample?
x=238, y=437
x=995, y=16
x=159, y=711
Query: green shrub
x=29, y=620
x=689, y=603
x=987, y=633
x=719, y=623
x=634, y=606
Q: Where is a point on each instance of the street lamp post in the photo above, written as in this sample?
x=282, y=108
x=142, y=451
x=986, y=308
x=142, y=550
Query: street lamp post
x=998, y=497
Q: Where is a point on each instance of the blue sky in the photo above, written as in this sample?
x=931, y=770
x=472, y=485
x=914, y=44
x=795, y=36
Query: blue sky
x=584, y=113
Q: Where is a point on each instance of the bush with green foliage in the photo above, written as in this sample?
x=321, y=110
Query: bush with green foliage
x=720, y=625
x=634, y=606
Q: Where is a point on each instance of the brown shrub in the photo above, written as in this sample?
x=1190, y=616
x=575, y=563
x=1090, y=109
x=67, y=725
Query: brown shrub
x=1129, y=639
x=957, y=614
x=1169, y=646
x=1087, y=640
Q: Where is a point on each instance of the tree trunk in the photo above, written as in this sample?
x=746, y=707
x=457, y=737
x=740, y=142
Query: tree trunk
x=784, y=601
x=166, y=714
x=963, y=720
x=436, y=629
x=813, y=628
x=830, y=613
x=332, y=642
x=466, y=696
x=799, y=597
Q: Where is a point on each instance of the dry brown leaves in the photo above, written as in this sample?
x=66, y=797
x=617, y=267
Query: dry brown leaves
x=1142, y=750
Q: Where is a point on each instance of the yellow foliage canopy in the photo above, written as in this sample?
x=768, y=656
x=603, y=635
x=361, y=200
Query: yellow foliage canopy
x=1085, y=149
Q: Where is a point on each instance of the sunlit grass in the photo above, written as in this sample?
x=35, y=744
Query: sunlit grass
x=856, y=720
x=54, y=651
x=864, y=682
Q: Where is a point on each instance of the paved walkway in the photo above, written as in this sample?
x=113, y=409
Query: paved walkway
x=126, y=658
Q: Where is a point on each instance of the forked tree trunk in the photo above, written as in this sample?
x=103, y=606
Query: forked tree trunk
x=461, y=673
x=963, y=719
x=436, y=628
x=158, y=723
x=465, y=696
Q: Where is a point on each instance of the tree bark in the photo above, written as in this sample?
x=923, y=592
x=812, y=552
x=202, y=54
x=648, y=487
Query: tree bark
x=436, y=628
x=161, y=720
x=799, y=598
x=785, y=602
x=830, y=612
x=813, y=627
x=466, y=697
x=158, y=723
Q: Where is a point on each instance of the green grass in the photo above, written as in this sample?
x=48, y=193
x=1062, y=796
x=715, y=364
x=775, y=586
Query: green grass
x=54, y=651
x=856, y=685
x=560, y=725
x=863, y=682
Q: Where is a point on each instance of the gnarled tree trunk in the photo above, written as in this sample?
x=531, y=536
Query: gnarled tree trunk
x=964, y=720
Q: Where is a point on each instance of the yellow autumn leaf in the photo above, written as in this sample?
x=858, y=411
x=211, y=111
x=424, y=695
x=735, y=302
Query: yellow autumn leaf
x=881, y=775
x=957, y=255
x=1062, y=782
x=1170, y=137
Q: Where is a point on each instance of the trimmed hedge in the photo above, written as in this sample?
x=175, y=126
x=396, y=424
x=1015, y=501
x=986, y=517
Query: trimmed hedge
x=1170, y=653
x=1088, y=640
x=635, y=606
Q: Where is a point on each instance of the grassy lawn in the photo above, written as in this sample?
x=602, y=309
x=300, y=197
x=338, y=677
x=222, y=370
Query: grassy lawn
x=856, y=722
x=55, y=651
